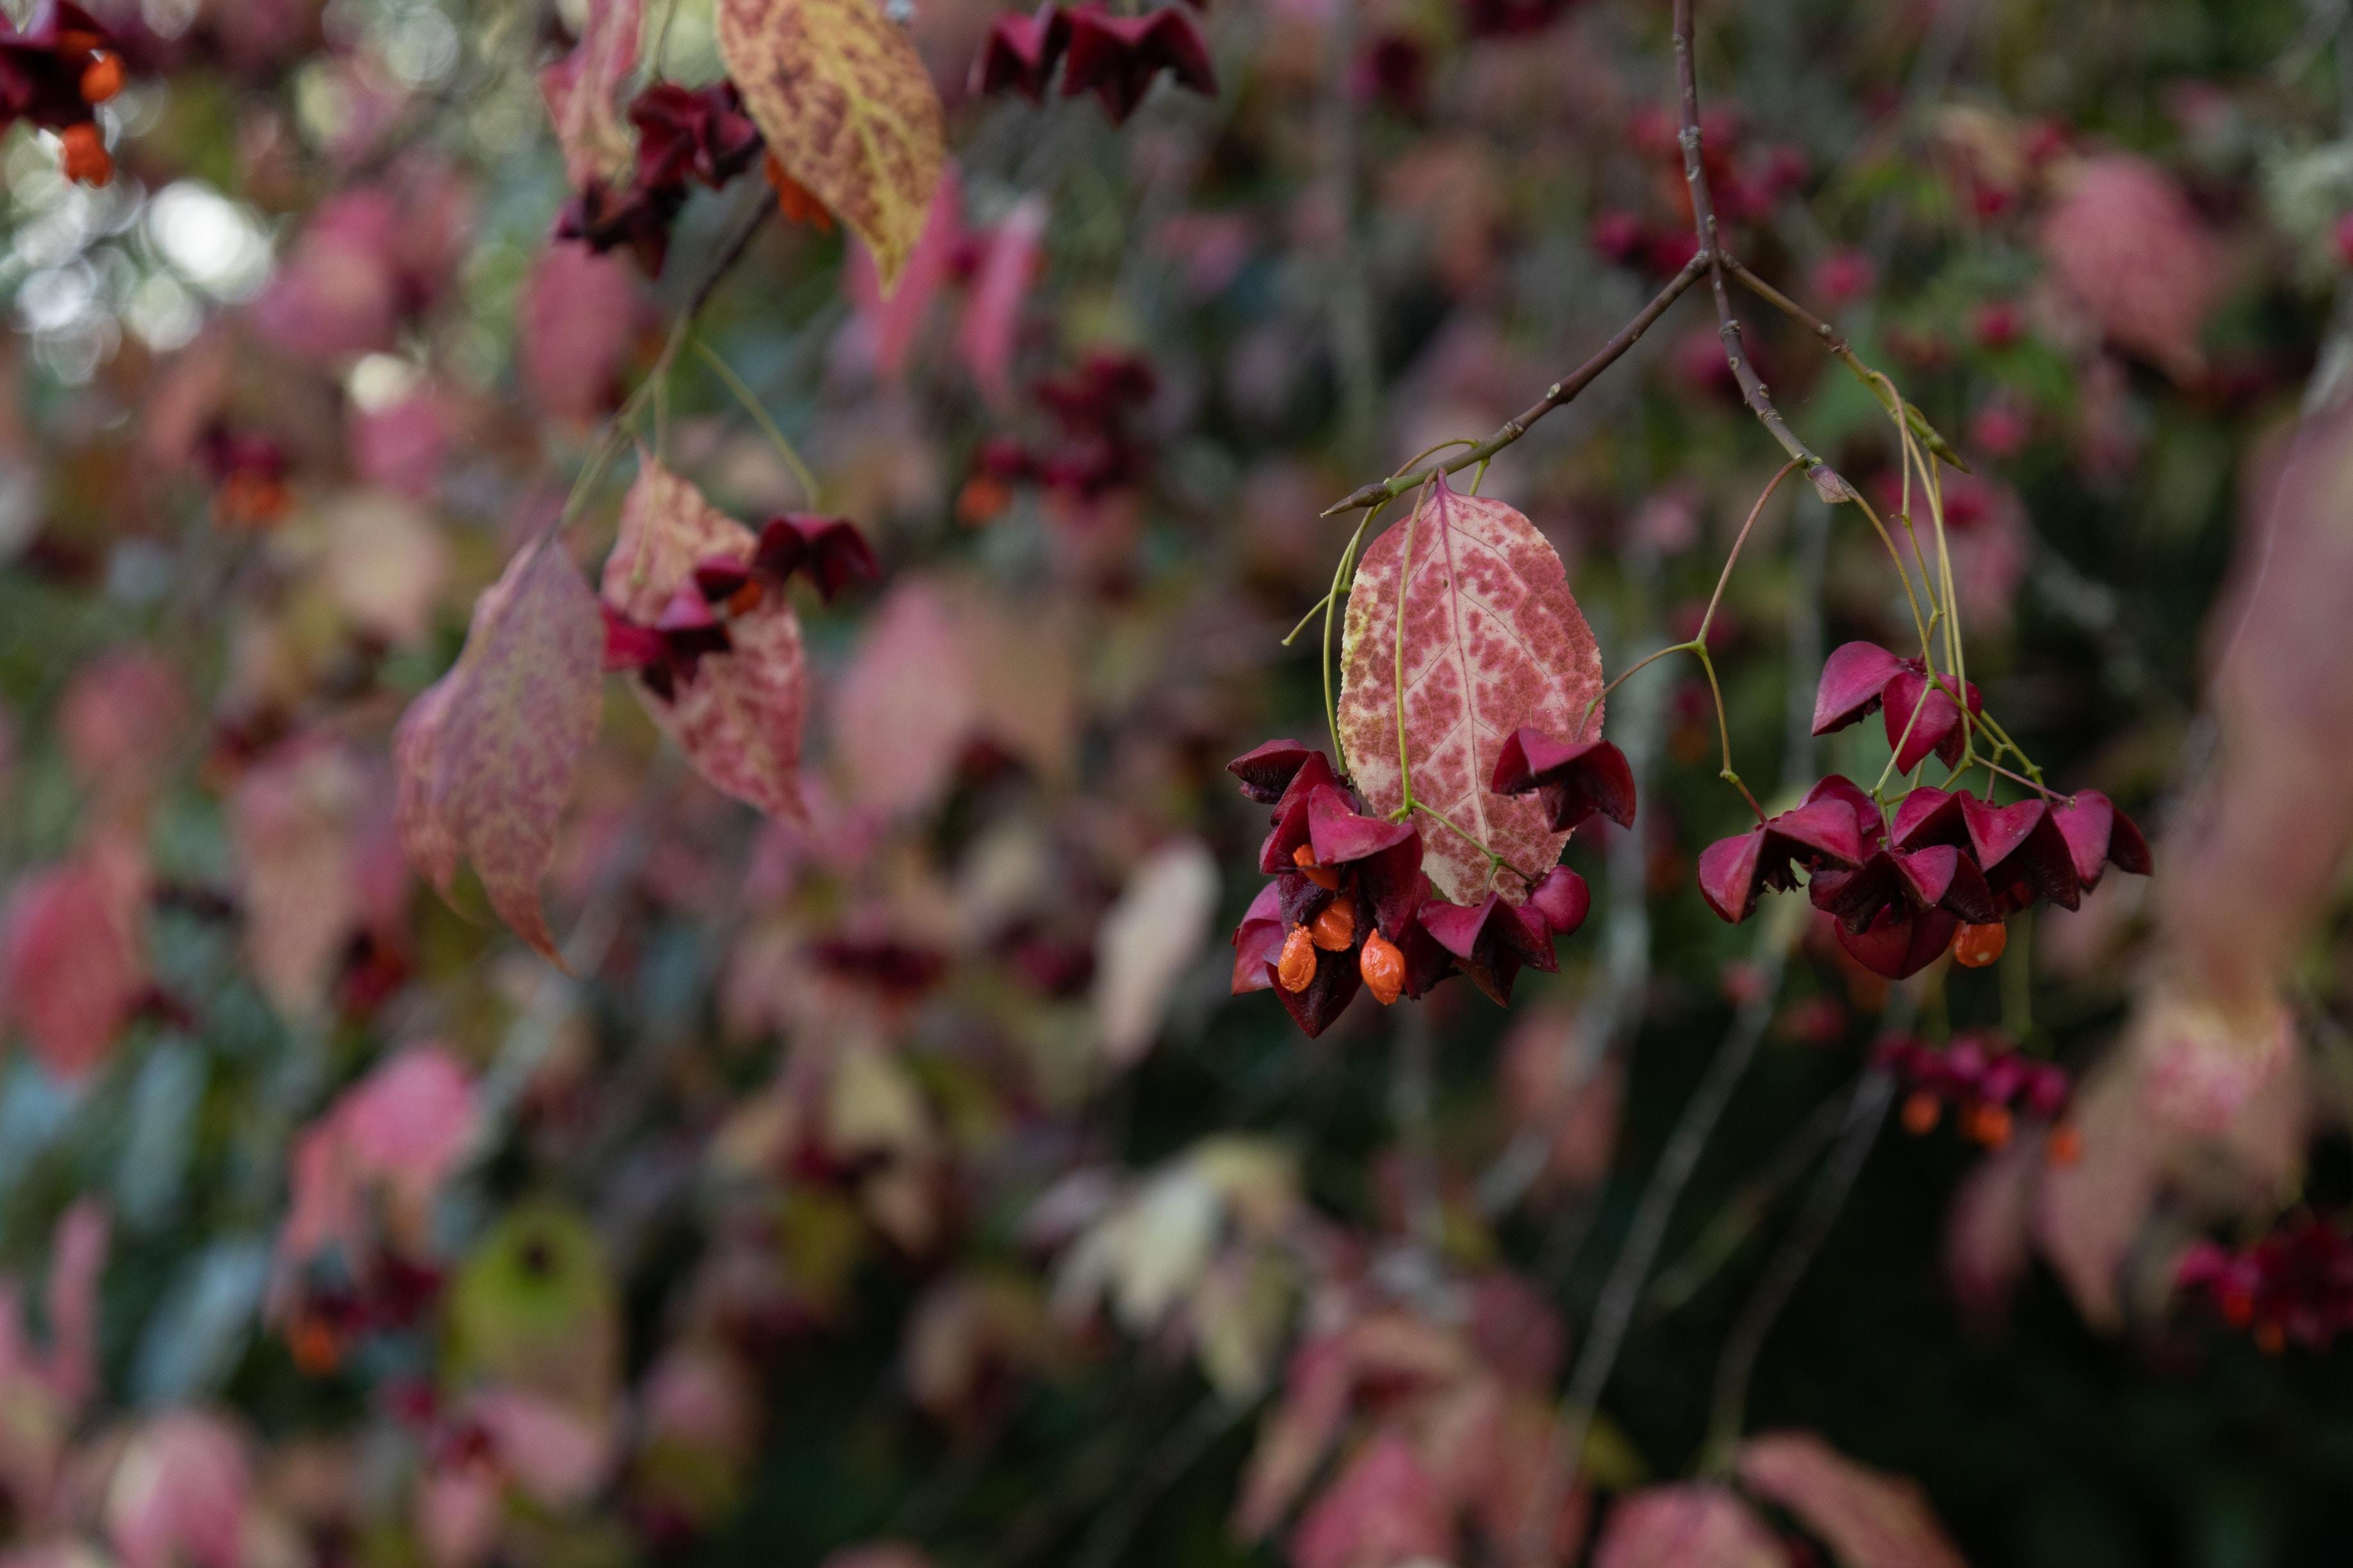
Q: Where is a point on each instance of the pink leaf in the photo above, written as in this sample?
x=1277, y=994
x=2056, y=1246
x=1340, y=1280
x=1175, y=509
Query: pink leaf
x=70, y=969
x=2125, y=241
x=77, y=1259
x=575, y=321
x=1986, y=1233
x=583, y=93
x=179, y=1495
x=1563, y=1094
x=991, y=328
x=397, y=1135
x=338, y=292
x=122, y=719
x=2259, y=855
x=893, y=320
x=1690, y=1526
x=879, y=1555
x=292, y=819
x=907, y=705
x=486, y=756
x=557, y=1455
x=1869, y=1519
x=1492, y=641
x=1384, y=1511
x=738, y=716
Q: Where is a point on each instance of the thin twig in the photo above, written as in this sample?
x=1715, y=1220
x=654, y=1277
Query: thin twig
x=1753, y=390
x=1867, y=1112
x=1622, y=1291
x=1559, y=393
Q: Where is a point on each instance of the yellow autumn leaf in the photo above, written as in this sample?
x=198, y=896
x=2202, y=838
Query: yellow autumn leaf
x=848, y=110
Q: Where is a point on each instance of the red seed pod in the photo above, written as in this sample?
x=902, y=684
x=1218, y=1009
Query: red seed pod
x=1296, y=967
x=1383, y=967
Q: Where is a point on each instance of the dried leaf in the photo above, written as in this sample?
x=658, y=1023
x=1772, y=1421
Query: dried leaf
x=1692, y=1526
x=383, y=563
x=739, y=716
x=1147, y=941
x=1492, y=641
x=846, y=106
x=486, y=755
x=583, y=93
x=1869, y=1519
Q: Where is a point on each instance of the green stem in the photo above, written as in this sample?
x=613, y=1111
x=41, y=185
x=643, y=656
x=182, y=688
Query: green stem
x=785, y=448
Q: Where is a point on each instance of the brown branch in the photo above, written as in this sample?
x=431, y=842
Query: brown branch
x=1559, y=393
x=1836, y=342
x=1753, y=390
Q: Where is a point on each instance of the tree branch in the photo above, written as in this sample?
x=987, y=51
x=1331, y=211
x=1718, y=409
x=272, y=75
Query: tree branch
x=1559, y=393
x=1753, y=390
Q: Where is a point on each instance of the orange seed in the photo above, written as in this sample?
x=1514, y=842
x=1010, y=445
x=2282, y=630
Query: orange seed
x=1975, y=947
x=1296, y=967
x=1323, y=877
x=1336, y=929
x=1383, y=967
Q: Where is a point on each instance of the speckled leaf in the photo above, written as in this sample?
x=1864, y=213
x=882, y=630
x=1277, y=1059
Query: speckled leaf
x=848, y=110
x=583, y=93
x=1493, y=640
x=738, y=717
x=1868, y=1519
x=486, y=756
x=1691, y=1526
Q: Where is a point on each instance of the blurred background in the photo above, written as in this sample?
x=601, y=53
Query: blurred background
x=907, y=1185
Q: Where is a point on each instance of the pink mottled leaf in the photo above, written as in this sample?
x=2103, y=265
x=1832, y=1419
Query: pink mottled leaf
x=583, y=93
x=738, y=716
x=70, y=965
x=1384, y=1509
x=1869, y=1519
x=1492, y=641
x=2123, y=240
x=992, y=317
x=486, y=756
x=1692, y=1526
